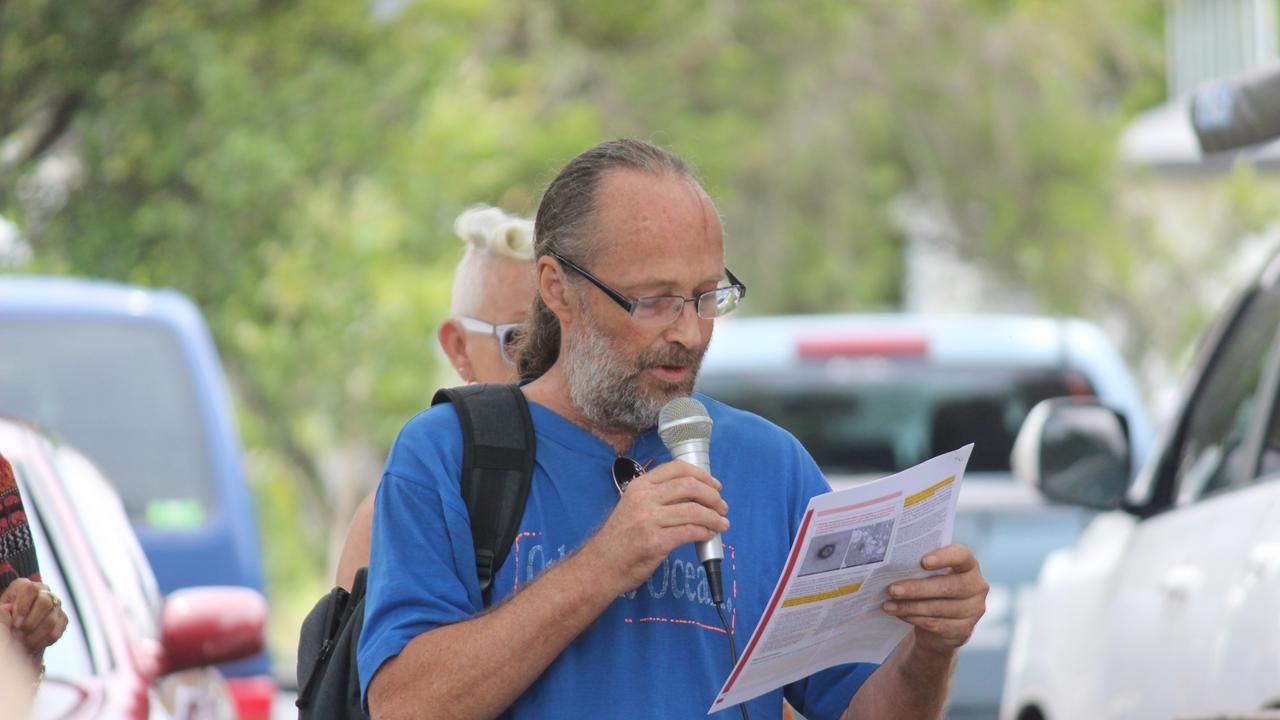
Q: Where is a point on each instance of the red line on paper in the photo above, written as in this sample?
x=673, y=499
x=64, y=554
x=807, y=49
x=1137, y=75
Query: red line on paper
x=773, y=604
x=847, y=508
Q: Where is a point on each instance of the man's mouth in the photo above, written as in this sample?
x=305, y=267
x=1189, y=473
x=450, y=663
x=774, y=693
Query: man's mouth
x=672, y=373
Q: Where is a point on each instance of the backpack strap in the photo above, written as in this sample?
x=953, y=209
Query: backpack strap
x=498, y=452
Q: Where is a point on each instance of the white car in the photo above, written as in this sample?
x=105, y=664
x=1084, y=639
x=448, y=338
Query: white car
x=1169, y=604
x=869, y=395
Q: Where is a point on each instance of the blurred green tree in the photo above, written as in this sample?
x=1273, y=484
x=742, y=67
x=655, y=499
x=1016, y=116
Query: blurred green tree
x=295, y=167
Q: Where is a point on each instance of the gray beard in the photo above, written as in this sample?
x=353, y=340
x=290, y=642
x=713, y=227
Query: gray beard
x=608, y=394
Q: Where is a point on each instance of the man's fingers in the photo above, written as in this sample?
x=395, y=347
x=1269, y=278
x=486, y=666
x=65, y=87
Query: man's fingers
x=679, y=469
x=682, y=490
x=691, y=513
x=685, y=534
x=952, y=632
x=970, y=608
x=958, y=558
x=951, y=585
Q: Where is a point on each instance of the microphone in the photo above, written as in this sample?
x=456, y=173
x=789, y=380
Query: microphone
x=685, y=428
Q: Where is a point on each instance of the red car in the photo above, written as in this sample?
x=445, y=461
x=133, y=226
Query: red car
x=127, y=652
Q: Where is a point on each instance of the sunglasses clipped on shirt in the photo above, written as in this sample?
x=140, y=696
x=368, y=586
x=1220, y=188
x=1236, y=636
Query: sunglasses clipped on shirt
x=625, y=470
x=507, y=334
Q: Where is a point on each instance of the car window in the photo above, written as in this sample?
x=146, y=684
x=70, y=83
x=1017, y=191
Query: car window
x=120, y=391
x=112, y=541
x=69, y=658
x=1269, y=462
x=878, y=415
x=1211, y=457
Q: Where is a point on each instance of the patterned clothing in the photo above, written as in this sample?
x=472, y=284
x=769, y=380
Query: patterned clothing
x=17, y=552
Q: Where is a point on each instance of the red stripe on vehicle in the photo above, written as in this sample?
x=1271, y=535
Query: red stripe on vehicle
x=830, y=347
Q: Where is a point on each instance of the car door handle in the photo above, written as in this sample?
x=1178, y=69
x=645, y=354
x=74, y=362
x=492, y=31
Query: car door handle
x=1264, y=559
x=1181, y=581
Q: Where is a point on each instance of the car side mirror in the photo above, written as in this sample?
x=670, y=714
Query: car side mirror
x=1076, y=451
x=204, y=626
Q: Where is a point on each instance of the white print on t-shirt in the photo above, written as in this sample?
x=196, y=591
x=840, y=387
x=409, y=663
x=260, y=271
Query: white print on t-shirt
x=684, y=582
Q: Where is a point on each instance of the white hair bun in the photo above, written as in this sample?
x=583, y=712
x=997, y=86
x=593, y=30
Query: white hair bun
x=489, y=229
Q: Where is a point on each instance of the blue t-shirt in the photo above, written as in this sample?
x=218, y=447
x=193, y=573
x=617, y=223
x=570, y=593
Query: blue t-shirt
x=658, y=651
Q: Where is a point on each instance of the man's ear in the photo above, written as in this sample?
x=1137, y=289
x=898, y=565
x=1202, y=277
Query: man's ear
x=554, y=290
x=453, y=340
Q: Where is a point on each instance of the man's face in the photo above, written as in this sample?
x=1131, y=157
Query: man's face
x=508, y=293
x=657, y=236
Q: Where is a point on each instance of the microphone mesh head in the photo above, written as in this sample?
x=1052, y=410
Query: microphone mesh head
x=683, y=419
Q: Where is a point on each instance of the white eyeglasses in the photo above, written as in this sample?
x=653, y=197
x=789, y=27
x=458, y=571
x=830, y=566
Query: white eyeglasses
x=507, y=334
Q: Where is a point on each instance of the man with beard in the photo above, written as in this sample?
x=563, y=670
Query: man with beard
x=601, y=609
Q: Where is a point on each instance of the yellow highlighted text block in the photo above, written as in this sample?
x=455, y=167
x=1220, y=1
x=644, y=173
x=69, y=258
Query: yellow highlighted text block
x=927, y=492
x=818, y=597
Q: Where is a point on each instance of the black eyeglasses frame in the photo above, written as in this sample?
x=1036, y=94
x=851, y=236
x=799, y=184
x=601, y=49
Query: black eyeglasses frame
x=630, y=306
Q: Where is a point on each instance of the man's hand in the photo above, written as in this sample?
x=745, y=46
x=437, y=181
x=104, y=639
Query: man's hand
x=674, y=504
x=37, y=618
x=944, y=608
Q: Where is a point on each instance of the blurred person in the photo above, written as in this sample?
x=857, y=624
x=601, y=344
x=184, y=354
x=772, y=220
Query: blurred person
x=31, y=616
x=602, y=609
x=492, y=292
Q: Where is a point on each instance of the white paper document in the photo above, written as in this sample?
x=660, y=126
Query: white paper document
x=852, y=545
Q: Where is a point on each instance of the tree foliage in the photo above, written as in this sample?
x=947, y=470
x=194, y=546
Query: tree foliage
x=295, y=168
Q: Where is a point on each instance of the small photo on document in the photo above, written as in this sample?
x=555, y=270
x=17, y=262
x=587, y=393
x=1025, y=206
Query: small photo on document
x=826, y=553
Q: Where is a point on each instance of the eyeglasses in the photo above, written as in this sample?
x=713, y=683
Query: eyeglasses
x=625, y=470
x=664, y=309
x=507, y=335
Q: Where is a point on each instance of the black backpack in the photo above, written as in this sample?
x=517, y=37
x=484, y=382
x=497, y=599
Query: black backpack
x=497, y=468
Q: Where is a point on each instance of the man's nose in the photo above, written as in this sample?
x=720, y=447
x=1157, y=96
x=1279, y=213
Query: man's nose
x=687, y=327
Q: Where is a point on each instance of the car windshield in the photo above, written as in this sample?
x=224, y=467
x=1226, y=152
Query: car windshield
x=121, y=392
x=69, y=658
x=877, y=415
x=111, y=540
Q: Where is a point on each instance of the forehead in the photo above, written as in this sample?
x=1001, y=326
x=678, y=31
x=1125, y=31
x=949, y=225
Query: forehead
x=660, y=228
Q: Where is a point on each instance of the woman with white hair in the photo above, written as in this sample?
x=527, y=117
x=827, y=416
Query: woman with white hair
x=493, y=288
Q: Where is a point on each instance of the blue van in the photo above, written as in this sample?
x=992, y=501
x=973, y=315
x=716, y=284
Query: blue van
x=131, y=377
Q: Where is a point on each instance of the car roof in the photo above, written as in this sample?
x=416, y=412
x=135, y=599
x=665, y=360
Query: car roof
x=779, y=341
x=86, y=297
x=19, y=433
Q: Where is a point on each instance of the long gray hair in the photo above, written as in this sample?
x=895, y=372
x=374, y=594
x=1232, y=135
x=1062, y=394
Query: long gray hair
x=563, y=226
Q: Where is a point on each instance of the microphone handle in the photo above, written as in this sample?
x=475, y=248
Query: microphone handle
x=712, y=549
